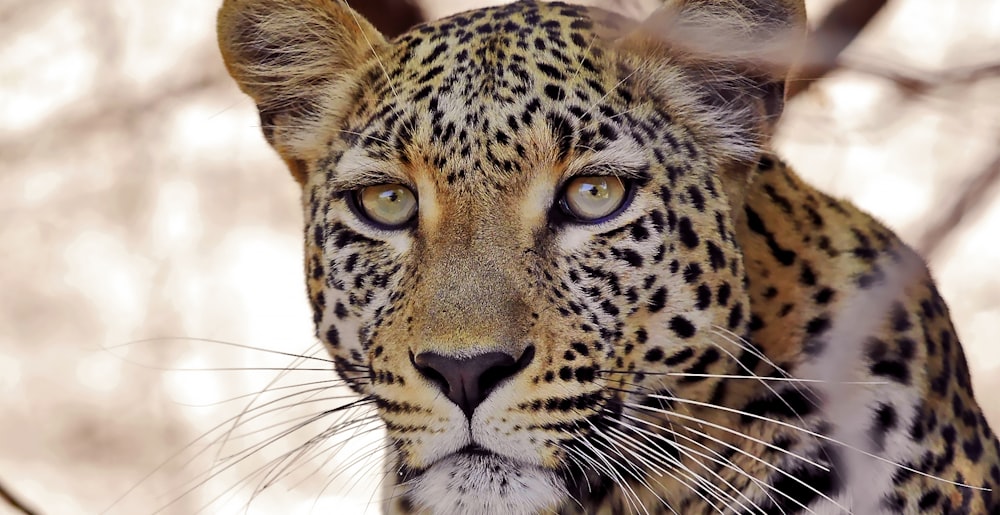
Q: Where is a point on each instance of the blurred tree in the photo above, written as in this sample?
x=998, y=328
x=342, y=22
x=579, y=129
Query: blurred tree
x=13, y=502
x=390, y=17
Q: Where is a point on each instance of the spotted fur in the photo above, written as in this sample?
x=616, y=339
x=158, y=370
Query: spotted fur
x=732, y=341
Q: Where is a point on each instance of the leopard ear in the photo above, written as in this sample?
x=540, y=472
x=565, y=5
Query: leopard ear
x=738, y=52
x=294, y=58
x=723, y=64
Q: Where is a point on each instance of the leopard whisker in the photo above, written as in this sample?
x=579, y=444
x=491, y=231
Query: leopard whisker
x=824, y=438
x=717, y=492
x=301, y=459
x=683, y=449
x=179, y=452
x=238, y=420
x=814, y=401
x=237, y=458
x=747, y=347
x=772, y=467
x=628, y=493
x=338, y=425
x=605, y=467
x=738, y=376
x=350, y=460
x=267, y=470
x=216, y=342
x=294, y=364
x=330, y=384
x=738, y=450
x=719, y=458
x=713, y=425
x=286, y=421
x=614, y=446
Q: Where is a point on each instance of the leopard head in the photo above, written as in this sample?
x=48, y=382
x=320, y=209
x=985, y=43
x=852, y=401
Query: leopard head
x=519, y=225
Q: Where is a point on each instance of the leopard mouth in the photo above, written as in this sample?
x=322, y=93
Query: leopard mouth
x=477, y=480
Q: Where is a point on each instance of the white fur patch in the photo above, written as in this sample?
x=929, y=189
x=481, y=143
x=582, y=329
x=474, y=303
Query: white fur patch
x=488, y=484
x=850, y=407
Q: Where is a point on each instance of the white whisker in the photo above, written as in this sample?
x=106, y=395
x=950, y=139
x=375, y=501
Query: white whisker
x=822, y=437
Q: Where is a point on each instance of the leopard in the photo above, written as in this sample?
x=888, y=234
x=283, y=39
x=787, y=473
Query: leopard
x=555, y=250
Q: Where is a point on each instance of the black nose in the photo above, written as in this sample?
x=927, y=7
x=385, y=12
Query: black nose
x=468, y=381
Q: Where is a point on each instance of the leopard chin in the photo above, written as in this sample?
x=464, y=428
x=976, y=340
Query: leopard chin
x=484, y=482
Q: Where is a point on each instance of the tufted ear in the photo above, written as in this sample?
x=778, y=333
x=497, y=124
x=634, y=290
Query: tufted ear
x=723, y=65
x=294, y=58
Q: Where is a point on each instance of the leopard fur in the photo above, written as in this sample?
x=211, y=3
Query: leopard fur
x=732, y=340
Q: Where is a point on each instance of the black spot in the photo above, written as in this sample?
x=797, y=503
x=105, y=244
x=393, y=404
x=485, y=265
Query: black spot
x=973, y=448
x=340, y=310
x=688, y=237
x=563, y=132
x=782, y=404
x=900, y=319
x=658, y=300
x=896, y=370
x=333, y=337
x=885, y=420
x=584, y=374
x=722, y=296
x=807, y=276
x=697, y=199
x=639, y=232
x=818, y=325
x=692, y=273
x=555, y=92
x=756, y=224
x=629, y=256
x=700, y=367
x=894, y=502
x=735, y=316
x=551, y=72
x=654, y=354
x=715, y=256
x=823, y=296
x=704, y=297
x=682, y=327
x=679, y=357
x=929, y=499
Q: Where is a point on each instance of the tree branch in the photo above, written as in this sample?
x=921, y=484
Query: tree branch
x=390, y=17
x=971, y=197
x=825, y=44
x=11, y=500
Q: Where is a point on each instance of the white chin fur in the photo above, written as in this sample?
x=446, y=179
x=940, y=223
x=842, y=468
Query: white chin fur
x=488, y=484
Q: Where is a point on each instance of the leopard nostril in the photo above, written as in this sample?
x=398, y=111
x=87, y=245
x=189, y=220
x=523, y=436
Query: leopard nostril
x=468, y=381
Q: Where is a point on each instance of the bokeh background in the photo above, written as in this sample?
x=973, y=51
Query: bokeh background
x=145, y=225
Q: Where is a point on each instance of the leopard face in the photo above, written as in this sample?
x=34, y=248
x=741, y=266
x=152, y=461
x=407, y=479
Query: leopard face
x=523, y=245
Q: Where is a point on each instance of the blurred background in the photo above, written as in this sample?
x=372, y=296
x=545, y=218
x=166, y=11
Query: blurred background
x=145, y=226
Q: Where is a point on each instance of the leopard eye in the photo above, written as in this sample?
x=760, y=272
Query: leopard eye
x=594, y=198
x=386, y=205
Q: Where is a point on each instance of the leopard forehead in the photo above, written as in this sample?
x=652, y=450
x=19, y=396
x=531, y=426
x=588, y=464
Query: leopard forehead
x=491, y=98
x=482, y=114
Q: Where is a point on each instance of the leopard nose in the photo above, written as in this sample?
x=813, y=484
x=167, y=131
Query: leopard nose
x=468, y=381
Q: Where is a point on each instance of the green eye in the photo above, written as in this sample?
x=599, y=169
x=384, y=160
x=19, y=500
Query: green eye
x=386, y=205
x=594, y=198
